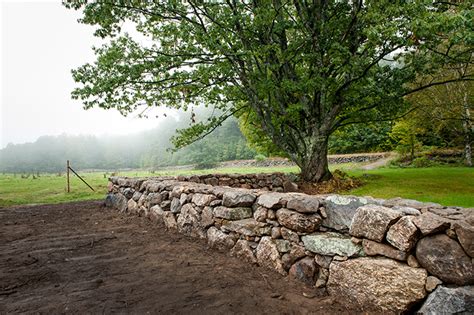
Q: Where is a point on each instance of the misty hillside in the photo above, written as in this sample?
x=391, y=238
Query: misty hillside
x=147, y=149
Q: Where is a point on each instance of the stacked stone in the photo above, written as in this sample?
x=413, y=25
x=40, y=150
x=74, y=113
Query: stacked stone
x=278, y=182
x=384, y=255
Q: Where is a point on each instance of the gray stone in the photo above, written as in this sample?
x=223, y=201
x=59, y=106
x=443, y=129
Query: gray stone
x=323, y=276
x=128, y=192
x=232, y=213
x=136, y=196
x=202, y=200
x=175, y=205
x=429, y=223
x=372, y=222
x=276, y=232
x=218, y=239
x=465, y=234
x=331, y=244
x=403, y=234
x=283, y=246
x=156, y=214
x=304, y=270
x=432, y=283
x=243, y=249
x=271, y=214
x=189, y=221
x=238, y=198
x=268, y=255
x=446, y=300
x=170, y=220
x=142, y=200
x=177, y=191
x=298, y=222
x=132, y=206
x=401, y=202
x=412, y=262
x=407, y=210
x=289, y=186
x=207, y=218
x=166, y=205
x=152, y=199
x=290, y=235
x=296, y=252
x=323, y=261
x=372, y=248
x=117, y=201
x=322, y=210
x=260, y=214
x=356, y=240
x=303, y=203
x=184, y=198
x=382, y=285
x=445, y=259
x=340, y=210
x=272, y=200
x=247, y=227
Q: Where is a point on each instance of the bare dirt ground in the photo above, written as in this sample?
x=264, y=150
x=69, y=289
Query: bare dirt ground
x=84, y=258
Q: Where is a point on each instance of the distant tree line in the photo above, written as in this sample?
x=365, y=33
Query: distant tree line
x=148, y=149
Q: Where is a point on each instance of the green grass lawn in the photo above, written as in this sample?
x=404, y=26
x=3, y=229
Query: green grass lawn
x=450, y=186
x=444, y=185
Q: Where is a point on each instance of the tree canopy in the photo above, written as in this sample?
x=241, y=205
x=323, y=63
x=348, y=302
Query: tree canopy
x=299, y=69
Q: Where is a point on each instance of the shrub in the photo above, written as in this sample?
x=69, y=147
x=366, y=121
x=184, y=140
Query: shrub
x=260, y=157
x=422, y=162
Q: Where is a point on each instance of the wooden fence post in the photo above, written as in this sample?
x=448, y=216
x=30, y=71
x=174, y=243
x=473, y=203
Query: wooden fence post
x=67, y=172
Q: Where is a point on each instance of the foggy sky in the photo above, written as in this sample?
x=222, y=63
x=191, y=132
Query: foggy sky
x=41, y=42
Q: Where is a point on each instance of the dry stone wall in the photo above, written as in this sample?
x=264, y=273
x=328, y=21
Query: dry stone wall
x=391, y=256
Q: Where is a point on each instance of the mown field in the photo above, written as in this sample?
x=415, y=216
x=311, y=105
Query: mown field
x=445, y=185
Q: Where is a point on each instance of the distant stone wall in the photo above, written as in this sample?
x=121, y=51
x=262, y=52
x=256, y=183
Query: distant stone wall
x=393, y=255
x=278, y=182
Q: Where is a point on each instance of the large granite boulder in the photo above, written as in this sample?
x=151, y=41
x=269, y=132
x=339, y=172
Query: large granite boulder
x=377, y=285
x=372, y=222
x=340, y=210
x=303, y=203
x=202, y=200
x=238, y=198
x=444, y=258
x=170, y=220
x=304, y=270
x=175, y=206
x=247, y=227
x=238, y=213
x=218, y=239
x=403, y=234
x=446, y=300
x=372, y=248
x=429, y=223
x=331, y=244
x=132, y=206
x=268, y=255
x=304, y=223
x=243, y=250
x=189, y=221
x=272, y=200
x=156, y=214
x=465, y=234
x=117, y=201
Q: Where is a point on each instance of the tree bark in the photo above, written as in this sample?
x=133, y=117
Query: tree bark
x=314, y=167
x=467, y=128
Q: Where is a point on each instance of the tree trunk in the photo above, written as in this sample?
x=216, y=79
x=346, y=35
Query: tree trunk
x=314, y=168
x=467, y=128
